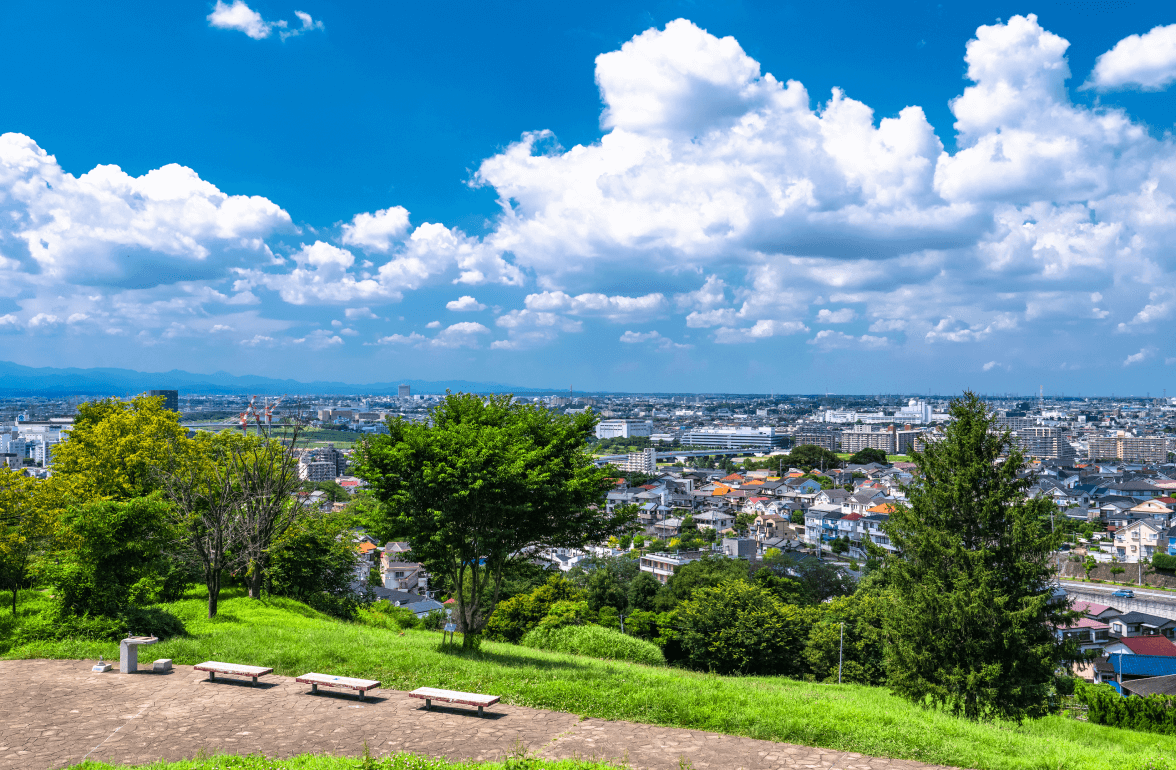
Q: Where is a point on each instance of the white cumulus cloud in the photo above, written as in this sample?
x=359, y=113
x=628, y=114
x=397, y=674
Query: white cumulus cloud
x=464, y=304
x=1145, y=61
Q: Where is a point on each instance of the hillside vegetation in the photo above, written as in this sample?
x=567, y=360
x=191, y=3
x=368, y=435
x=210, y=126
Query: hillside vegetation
x=293, y=639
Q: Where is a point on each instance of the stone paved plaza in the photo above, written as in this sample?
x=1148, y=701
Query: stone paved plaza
x=54, y=713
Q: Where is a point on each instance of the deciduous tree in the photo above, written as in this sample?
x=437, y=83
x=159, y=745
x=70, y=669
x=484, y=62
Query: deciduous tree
x=488, y=480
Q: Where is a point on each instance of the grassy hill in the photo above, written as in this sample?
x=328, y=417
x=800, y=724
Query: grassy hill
x=294, y=639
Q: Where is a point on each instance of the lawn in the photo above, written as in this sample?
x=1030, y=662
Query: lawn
x=294, y=639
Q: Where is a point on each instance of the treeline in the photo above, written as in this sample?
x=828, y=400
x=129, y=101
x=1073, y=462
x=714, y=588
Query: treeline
x=778, y=617
x=136, y=512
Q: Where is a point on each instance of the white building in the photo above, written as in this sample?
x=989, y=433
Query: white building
x=915, y=412
x=624, y=428
x=316, y=470
x=640, y=462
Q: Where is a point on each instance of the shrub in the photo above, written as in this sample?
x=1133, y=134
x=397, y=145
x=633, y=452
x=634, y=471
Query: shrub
x=515, y=617
x=566, y=613
x=741, y=628
x=1163, y=561
x=56, y=626
x=1106, y=707
x=595, y=642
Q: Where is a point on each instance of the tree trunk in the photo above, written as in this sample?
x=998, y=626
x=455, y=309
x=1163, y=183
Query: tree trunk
x=253, y=580
x=14, y=590
x=213, y=584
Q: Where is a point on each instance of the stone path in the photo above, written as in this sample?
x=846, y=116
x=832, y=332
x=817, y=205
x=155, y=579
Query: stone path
x=54, y=713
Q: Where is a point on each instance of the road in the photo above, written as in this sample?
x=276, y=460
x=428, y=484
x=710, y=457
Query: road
x=1109, y=588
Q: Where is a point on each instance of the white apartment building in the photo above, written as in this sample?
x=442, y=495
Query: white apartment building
x=624, y=428
x=640, y=462
x=316, y=470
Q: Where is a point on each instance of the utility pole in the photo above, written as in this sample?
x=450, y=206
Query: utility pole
x=840, y=653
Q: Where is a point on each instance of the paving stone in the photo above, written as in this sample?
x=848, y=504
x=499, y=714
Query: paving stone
x=55, y=713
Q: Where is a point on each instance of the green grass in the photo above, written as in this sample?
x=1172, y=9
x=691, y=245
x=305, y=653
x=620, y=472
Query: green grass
x=326, y=762
x=294, y=639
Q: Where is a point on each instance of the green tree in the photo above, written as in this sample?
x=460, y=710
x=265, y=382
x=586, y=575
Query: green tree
x=706, y=572
x=27, y=520
x=115, y=448
x=867, y=456
x=849, y=631
x=111, y=555
x=809, y=456
x=488, y=479
x=643, y=590
x=818, y=581
x=737, y=627
x=316, y=556
x=605, y=590
x=971, y=624
x=513, y=618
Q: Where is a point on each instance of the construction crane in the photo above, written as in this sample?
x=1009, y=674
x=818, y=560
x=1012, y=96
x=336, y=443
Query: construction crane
x=244, y=416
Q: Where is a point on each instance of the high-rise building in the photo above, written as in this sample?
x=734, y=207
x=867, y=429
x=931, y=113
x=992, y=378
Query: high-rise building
x=404, y=391
x=171, y=398
x=1044, y=443
x=735, y=438
x=640, y=462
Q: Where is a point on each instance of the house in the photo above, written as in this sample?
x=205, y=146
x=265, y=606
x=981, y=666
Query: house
x=770, y=526
x=663, y=565
x=1152, y=685
x=715, y=519
x=833, y=496
x=1094, y=611
x=1138, y=540
x=1119, y=669
x=1139, y=624
x=1088, y=633
x=820, y=522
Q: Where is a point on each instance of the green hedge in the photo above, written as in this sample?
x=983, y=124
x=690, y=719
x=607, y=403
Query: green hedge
x=595, y=642
x=1153, y=714
x=1163, y=561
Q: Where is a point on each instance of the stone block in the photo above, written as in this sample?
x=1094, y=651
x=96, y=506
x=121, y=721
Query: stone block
x=163, y=664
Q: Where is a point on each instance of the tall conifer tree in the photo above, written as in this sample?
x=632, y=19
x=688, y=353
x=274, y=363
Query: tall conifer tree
x=971, y=629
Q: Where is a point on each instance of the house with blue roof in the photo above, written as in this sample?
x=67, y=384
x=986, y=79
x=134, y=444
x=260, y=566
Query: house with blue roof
x=1119, y=668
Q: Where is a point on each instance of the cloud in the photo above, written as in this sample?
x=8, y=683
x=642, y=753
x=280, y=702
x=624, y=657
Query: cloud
x=827, y=338
x=617, y=308
x=844, y=315
x=761, y=330
x=9, y=322
x=377, y=232
x=464, y=304
x=951, y=330
x=258, y=340
x=221, y=328
x=460, y=335
x=1140, y=357
x=359, y=312
x=532, y=328
x=433, y=325
x=319, y=339
x=995, y=365
x=1145, y=61
x=664, y=343
x=242, y=18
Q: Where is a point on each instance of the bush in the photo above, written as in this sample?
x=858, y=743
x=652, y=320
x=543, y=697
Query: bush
x=515, y=617
x=1163, y=561
x=741, y=628
x=595, y=642
x=59, y=626
x=1105, y=706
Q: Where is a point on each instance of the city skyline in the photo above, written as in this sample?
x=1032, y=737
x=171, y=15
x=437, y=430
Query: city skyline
x=694, y=200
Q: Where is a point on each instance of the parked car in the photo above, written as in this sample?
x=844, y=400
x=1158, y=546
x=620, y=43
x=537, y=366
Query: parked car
x=1124, y=593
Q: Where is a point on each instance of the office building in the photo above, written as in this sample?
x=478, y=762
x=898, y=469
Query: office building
x=404, y=391
x=171, y=398
x=758, y=439
x=826, y=439
x=624, y=428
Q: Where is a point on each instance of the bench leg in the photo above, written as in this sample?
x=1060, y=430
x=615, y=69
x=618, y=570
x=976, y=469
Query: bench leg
x=313, y=688
x=479, y=711
x=212, y=676
x=254, y=682
x=361, y=694
x=428, y=704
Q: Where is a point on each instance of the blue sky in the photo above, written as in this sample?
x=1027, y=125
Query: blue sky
x=788, y=197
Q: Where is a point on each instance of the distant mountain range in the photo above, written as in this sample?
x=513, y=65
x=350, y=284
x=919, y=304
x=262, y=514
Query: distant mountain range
x=17, y=380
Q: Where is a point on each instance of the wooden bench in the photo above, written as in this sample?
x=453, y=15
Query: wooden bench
x=232, y=669
x=344, y=682
x=430, y=694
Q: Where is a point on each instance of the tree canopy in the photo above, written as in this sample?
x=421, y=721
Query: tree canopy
x=488, y=480
x=809, y=456
x=867, y=456
x=971, y=623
